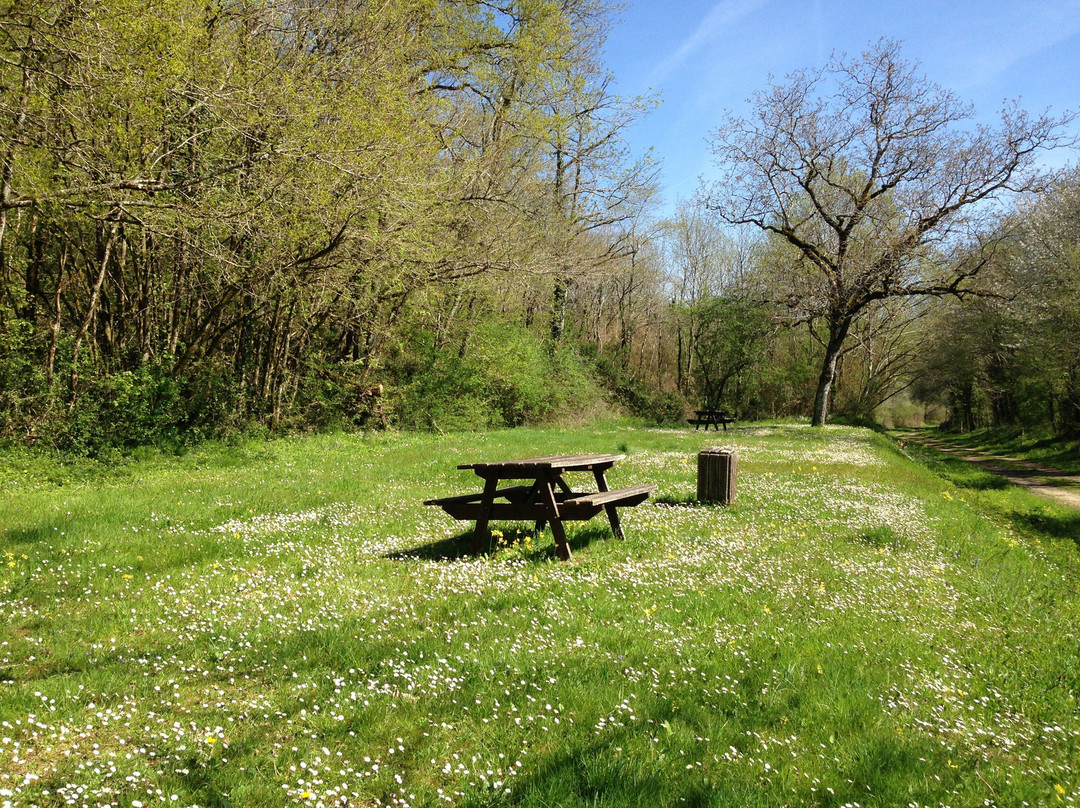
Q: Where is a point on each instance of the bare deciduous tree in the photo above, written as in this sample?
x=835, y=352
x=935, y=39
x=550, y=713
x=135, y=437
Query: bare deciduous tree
x=863, y=168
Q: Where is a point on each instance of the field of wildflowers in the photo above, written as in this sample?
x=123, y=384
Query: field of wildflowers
x=284, y=623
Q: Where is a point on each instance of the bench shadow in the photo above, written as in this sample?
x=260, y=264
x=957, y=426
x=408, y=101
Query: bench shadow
x=542, y=547
x=670, y=499
x=582, y=537
x=448, y=549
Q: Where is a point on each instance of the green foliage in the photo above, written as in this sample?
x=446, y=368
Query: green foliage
x=126, y=409
x=497, y=376
x=337, y=395
x=733, y=337
x=639, y=397
x=302, y=176
x=1014, y=360
x=24, y=388
x=783, y=381
x=121, y=410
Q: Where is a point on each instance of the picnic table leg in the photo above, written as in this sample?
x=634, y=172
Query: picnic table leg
x=612, y=512
x=548, y=492
x=491, y=484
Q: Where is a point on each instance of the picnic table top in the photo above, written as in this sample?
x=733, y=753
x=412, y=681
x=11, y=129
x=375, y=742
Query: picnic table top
x=538, y=465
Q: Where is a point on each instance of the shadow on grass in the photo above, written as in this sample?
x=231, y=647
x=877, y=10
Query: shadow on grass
x=205, y=782
x=539, y=548
x=963, y=474
x=881, y=536
x=448, y=549
x=688, y=501
x=669, y=499
x=1059, y=526
x=32, y=535
x=981, y=481
x=598, y=774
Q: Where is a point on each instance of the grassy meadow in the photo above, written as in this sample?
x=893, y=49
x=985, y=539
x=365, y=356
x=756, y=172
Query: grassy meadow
x=284, y=623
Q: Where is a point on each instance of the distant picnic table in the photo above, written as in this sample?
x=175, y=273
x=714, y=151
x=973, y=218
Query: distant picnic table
x=546, y=497
x=715, y=418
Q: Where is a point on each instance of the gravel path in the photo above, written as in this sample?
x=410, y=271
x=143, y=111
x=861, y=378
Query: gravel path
x=1051, y=483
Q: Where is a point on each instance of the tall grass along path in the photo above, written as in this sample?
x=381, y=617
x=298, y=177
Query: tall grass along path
x=1044, y=481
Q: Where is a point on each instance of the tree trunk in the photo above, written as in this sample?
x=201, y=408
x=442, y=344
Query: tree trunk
x=837, y=334
x=679, y=360
x=54, y=328
x=91, y=307
x=1069, y=406
x=558, y=312
x=32, y=280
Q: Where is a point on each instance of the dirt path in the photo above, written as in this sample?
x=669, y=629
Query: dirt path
x=1047, y=482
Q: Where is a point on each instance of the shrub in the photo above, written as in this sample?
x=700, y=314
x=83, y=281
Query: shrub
x=502, y=376
x=640, y=398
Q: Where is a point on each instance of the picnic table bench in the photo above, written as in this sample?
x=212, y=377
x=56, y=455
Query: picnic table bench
x=547, y=498
x=716, y=418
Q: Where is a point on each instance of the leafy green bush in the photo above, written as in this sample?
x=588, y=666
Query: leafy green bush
x=503, y=376
x=32, y=405
x=640, y=398
x=112, y=410
x=127, y=409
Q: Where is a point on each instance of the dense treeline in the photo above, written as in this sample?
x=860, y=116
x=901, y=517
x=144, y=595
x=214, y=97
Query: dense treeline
x=216, y=213
x=1014, y=358
x=422, y=214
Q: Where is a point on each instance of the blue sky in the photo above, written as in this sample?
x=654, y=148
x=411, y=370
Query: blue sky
x=708, y=56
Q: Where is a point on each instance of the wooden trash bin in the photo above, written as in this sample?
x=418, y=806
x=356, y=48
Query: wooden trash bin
x=716, y=475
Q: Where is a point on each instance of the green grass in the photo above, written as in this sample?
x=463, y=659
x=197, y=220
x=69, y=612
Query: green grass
x=284, y=623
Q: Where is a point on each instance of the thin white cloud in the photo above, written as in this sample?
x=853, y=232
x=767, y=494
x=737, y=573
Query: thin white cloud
x=722, y=16
x=1039, y=28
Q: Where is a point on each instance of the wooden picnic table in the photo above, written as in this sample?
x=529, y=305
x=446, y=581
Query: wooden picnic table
x=714, y=417
x=545, y=498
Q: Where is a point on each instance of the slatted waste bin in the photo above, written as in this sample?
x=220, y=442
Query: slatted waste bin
x=716, y=475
